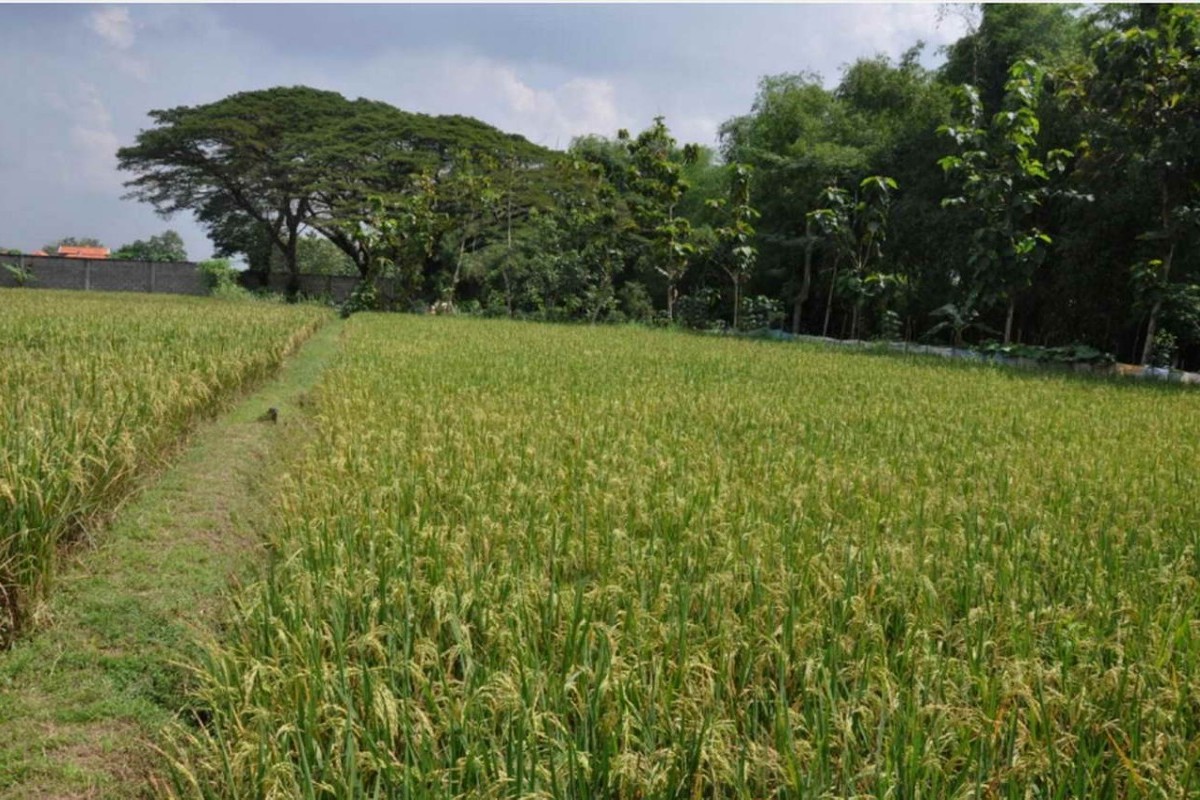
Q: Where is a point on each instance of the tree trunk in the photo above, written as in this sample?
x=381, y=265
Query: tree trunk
x=671, y=292
x=462, y=249
x=508, y=297
x=290, y=255
x=829, y=301
x=1152, y=324
x=737, y=301
x=1008, y=319
x=1151, y=329
x=854, y=319
x=806, y=282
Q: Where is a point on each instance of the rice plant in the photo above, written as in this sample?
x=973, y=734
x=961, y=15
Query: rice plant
x=550, y=562
x=92, y=388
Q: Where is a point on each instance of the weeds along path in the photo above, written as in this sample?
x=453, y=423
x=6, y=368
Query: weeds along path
x=82, y=701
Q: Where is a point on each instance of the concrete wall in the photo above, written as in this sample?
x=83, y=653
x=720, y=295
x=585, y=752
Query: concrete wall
x=110, y=275
x=105, y=275
x=332, y=287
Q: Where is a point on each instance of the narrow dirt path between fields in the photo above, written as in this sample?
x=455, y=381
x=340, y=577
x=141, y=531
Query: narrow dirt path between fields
x=82, y=700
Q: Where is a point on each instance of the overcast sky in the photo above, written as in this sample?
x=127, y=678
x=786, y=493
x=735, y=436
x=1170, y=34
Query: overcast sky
x=79, y=79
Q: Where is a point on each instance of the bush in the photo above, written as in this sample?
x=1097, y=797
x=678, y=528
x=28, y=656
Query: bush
x=1066, y=354
x=698, y=309
x=760, y=311
x=218, y=275
x=1162, y=352
x=364, y=297
x=891, y=327
x=22, y=275
x=636, y=303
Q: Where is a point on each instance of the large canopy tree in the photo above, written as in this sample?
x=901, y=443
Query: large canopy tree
x=259, y=168
x=247, y=156
x=377, y=150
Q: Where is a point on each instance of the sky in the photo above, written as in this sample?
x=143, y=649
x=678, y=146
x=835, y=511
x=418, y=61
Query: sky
x=78, y=80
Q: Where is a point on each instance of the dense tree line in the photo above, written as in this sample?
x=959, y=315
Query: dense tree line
x=1040, y=187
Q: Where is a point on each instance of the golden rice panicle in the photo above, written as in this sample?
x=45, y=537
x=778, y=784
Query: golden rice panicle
x=94, y=387
x=542, y=561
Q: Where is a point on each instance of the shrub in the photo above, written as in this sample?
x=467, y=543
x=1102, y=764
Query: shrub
x=636, y=303
x=218, y=275
x=364, y=297
x=760, y=311
x=1162, y=353
x=22, y=275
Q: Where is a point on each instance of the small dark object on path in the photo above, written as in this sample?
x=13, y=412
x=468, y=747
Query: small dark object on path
x=272, y=415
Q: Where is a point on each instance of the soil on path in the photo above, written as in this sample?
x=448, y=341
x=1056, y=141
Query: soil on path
x=83, y=700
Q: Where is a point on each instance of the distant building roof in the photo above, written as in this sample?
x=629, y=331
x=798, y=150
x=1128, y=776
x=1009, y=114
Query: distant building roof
x=68, y=251
x=39, y=253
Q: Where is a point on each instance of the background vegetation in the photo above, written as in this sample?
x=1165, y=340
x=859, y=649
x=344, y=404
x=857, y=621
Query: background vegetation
x=1053, y=202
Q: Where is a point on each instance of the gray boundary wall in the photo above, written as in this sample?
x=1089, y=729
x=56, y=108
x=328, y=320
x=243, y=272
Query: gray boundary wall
x=332, y=287
x=106, y=275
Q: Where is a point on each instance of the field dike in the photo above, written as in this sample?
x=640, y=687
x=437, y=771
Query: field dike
x=83, y=701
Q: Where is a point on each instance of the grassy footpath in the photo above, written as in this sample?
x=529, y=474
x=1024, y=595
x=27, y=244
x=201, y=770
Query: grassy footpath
x=81, y=701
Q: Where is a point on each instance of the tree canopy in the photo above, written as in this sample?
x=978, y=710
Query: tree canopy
x=259, y=168
x=167, y=246
x=1056, y=206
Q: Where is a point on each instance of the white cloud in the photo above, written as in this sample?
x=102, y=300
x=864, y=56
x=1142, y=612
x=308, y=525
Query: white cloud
x=114, y=25
x=549, y=73
x=93, y=161
x=492, y=90
x=894, y=28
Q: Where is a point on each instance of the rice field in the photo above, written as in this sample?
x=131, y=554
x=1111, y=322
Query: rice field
x=93, y=387
x=523, y=561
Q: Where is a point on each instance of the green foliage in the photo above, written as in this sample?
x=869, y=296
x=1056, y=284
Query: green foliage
x=656, y=187
x=1146, y=118
x=22, y=276
x=1003, y=184
x=635, y=303
x=364, y=297
x=392, y=240
x=218, y=275
x=166, y=246
x=316, y=255
x=520, y=231
x=1006, y=33
x=958, y=319
x=699, y=309
x=735, y=252
x=891, y=327
x=72, y=241
x=759, y=312
x=259, y=167
x=855, y=225
x=1066, y=354
x=1163, y=349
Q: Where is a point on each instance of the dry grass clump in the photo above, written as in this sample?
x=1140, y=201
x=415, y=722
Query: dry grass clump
x=94, y=387
x=553, y=562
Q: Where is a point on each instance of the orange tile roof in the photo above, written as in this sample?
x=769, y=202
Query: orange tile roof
x=67, y=251
x=39, y=253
